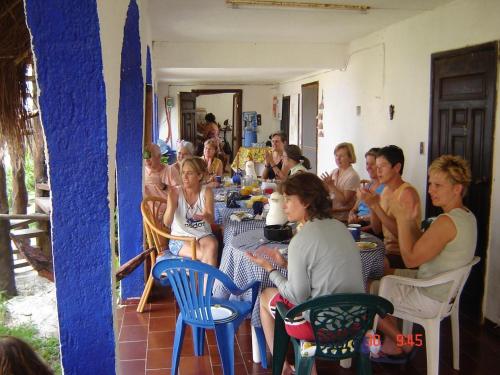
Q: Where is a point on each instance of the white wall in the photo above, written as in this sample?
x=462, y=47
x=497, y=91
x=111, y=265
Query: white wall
x=255, y=98
x=221, y=105
x=392, y=66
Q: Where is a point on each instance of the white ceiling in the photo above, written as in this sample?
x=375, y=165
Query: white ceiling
x=212, y=21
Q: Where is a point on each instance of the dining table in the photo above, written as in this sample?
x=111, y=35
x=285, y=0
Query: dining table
x=245, y=236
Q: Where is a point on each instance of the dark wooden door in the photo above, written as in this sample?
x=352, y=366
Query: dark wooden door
x=285, y=117
x=148, y=116
x=309, y=133
x=462, y=123
x=237, y=131
x=188, y=116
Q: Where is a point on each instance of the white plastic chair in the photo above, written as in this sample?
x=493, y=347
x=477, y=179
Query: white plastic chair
x=457, y=278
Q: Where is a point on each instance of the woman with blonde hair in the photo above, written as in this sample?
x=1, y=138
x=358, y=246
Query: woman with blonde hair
x=448, y=244
x=214, y=164
x=294, y=161
x=343, y=182
x=190, y=212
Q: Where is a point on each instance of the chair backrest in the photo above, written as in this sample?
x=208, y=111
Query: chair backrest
x=456, y=279
x=152, y=209
x=340, y=321
x=190, y=281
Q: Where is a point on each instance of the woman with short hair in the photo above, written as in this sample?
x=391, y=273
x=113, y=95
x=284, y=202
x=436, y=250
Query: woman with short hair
x=322, y=256
x=294, y=161
x=343, y=182
x=448, y=244
x=190, y=213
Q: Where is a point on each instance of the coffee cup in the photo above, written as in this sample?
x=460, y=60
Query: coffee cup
x=355, y=230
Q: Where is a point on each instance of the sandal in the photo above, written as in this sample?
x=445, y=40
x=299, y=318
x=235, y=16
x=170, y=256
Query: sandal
x=395, y=359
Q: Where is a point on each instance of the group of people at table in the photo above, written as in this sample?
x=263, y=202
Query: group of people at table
x=322, y=256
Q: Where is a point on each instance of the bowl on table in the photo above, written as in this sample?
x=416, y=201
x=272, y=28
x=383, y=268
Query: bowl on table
x=278, y=233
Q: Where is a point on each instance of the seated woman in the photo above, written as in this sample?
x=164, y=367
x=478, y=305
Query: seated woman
x=322, y=257
x=360, y=213
x=448, y=244
x=294, y=161
x=155, y=177
x=343, y=182
x=214, y=164
x=274, y=159
x=190, y=213
x=184, y=149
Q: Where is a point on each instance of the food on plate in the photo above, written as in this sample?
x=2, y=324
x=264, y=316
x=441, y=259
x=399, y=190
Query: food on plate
x=364, y=245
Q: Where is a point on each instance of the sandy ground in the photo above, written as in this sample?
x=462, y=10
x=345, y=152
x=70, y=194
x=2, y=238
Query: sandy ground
x=35, y=303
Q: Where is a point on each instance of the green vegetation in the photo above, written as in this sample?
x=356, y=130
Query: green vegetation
x=47, y=348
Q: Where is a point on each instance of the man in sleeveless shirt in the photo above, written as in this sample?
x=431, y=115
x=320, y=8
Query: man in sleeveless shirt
x=390, y=163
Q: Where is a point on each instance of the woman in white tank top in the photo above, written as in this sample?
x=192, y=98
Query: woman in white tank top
x=190, y=212
x=448, y=244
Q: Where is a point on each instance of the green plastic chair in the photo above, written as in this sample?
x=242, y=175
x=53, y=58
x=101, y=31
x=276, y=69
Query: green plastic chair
x=339, y=322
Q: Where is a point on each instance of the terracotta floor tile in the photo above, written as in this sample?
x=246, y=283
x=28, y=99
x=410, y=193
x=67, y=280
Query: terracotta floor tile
x=159, y=359
x=135, y=318
x=132, y=350
x=195, y=366
x=134, y=333
x=163, y=371
x=132, y=367
x=165, y=323
x=239, y=369
x=161, y=340
x=245, y=343
x=162, y=310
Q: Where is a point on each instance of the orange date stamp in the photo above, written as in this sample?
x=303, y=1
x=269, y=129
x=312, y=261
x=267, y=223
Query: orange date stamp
x=401, y=340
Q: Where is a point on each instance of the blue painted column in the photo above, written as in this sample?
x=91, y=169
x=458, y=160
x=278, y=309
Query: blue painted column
x=129, y=152
x=67, y=48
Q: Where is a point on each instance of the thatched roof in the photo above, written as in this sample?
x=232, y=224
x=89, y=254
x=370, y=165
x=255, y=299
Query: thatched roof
x=15, y=54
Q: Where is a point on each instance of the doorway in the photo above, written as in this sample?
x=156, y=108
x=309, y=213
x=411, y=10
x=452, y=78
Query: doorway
x=188, y=122
x=308, y=131
x=285, y=117
x=462, y=123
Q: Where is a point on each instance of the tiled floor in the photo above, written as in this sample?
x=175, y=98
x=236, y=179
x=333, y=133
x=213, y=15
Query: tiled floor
x=146, y=340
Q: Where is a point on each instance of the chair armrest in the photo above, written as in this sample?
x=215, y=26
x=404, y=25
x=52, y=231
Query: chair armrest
x=431, y=281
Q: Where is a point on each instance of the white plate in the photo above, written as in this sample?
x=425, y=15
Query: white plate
x=220, y=313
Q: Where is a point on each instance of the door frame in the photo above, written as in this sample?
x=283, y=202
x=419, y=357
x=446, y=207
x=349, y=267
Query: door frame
x=238, y=111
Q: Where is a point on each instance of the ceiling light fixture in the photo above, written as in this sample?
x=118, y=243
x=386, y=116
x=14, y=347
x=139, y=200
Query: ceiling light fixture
x=296, y=4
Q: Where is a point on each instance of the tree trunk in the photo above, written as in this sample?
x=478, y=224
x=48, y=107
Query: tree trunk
x=38, y=149
x=19, y=192
x=7, y=281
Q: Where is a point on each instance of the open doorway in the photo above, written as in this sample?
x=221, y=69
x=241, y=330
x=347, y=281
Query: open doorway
x=229, y=104
x=308, y=131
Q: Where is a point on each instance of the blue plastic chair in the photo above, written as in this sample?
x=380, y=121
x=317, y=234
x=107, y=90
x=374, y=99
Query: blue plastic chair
x=189, y=280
